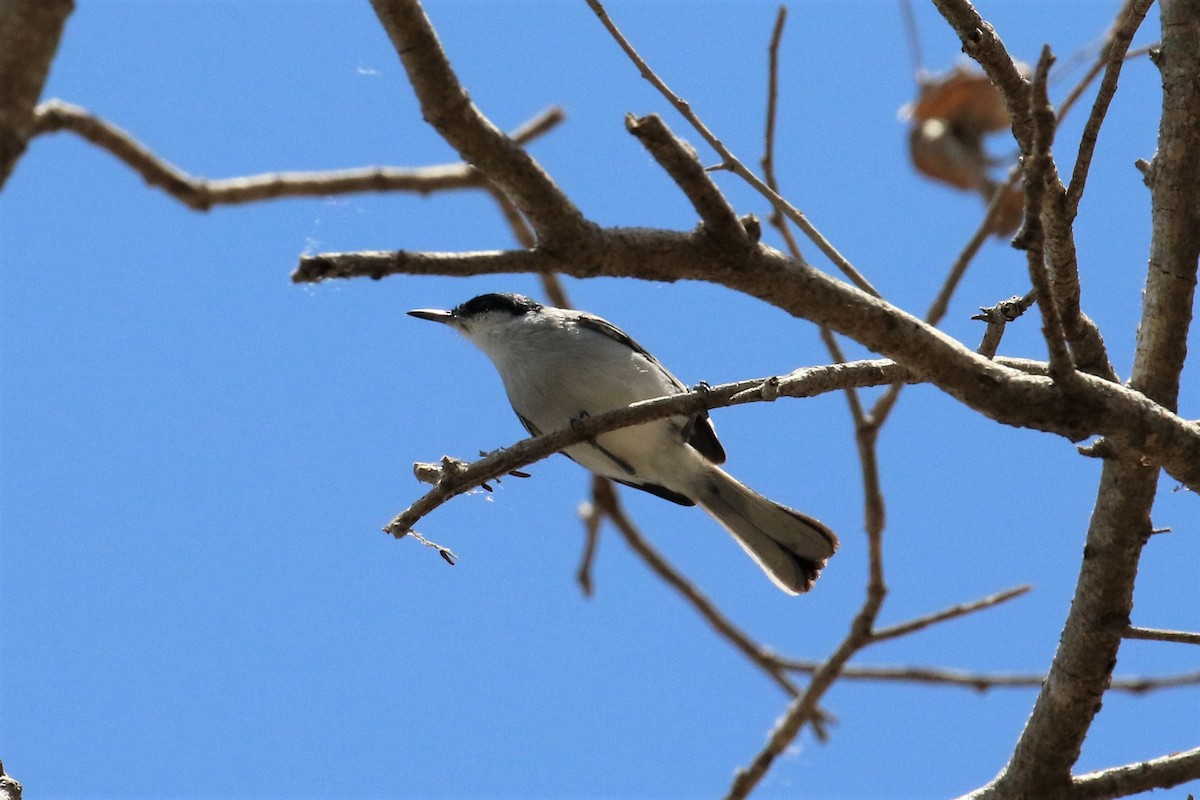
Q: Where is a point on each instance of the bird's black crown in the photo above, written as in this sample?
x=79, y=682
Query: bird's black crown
x=514, y=304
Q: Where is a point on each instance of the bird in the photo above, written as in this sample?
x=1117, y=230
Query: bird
x=561, y=365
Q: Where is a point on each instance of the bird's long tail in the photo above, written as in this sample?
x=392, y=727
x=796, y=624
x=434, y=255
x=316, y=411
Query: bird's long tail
x=790, y=547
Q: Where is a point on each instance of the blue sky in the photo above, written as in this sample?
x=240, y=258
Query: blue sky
x=198, y=455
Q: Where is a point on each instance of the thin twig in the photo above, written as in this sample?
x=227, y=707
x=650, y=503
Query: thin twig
x=838, y=356
x=446, y=106
x=1100, y=62
x=1160, y=635
x=592, y=517
x=803, y=708
x=202, y=194
x=1031, y=238
x=992, y=335
x=551, y=285
x=445, y=552
x=461, y=477
x=874, y=498
x=1131, y=17
x=1130, y=779
x=729, y=161
x=954, y=612
x=512, y=215
x=777, y=220
x=980, y=41
x=913, y=35
x=983, y=681
x=997, y=318
x=680, y=162
x=941, y=303
x=609, y=506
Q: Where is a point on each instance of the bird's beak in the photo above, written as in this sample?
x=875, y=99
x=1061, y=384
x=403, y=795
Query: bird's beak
x=432, y=314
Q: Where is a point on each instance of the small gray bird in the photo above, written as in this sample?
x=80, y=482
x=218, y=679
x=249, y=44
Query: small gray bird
x=560, y=365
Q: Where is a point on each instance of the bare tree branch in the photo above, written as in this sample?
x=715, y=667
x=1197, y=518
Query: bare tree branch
x=941, y=303
x=29, y=34
x=768, y=159
x=954, y=612
x=1159, y=773
x=608, y=506
x=380, y=264
x=1120, y=524
x=984, y=681
x=1082, y=666
x=447, y=107
x=1102, y=60
x=1142, y=429
x=10, y=787
x=592, y=520
x=803, y=708
x=1038, y=172
x=1159, y=635
x=1175, y=208
x=981, y=43
x=678, y=159
x=732, y=163
x=883, y=406
x=202, y=194
x=1086, y=338
x=816, y=290
x=1114, y=51
x=1056, y=217
x=997, y=317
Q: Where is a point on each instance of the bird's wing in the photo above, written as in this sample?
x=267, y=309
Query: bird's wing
x=698, y=432
x=529, y=426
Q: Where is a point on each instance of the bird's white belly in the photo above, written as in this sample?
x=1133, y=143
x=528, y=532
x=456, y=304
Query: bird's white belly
x=564, y=390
